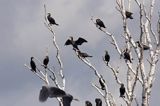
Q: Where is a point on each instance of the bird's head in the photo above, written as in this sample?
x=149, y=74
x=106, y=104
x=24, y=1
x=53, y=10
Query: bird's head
x=122, y=85
x=49, y=14
x=71, y=37
x=32, y=58
x=106, y=51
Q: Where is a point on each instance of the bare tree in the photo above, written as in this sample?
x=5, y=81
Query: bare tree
x=133, y=55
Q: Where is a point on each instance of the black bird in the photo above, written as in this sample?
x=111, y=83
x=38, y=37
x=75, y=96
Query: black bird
x=45, y=61
x=98, y=102
x=122, y=90
x=67, y=99
x=127, y=55
x=107, y=57
x=100, y=23
x=83, y=55
x=33, y=65
x=51, y=20
x=145, y=47
x=101, y=82
x=51, y=92
x=128, y=15
x=88, y=103
x=75, y=43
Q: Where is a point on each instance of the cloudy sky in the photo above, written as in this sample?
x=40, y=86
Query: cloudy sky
x=23, y=35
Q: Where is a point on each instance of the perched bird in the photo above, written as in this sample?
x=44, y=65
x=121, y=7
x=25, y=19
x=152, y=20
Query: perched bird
x=82, y=54
x=88, y=103
x=45, y=61
x=51, y=92
x=75, y=43
x=101, y=82
x=127, y=55
x=51, y=20
x=122, y=90
x=145, y=47
x=128, y=14
x=98, y=102
x=67, y=99
x=107, y=57
x=100, y=24
x=33, y=65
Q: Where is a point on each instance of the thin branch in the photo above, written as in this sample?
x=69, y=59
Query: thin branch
x=58, y=50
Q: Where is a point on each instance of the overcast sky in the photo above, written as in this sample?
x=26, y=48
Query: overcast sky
x=23, y=35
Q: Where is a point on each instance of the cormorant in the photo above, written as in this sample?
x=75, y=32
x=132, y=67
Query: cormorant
x=33, y=65
x=82, y=54
x=145, y=47
x=51, y=92
x=45, y=61
x=75, y=43
x=98, y=102
x=107, y=57
x=100, y=23
x=51, y=20
x=88, y=103
x=127, y=55
x=101, y=82
x=122, y=90
x=128, y=14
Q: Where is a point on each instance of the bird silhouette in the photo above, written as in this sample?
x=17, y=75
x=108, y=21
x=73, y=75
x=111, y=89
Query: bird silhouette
x=75, y=43
x=128, y=15
x=46, y=61
x=51, y=20
x=51, y=92
x=107, y=57
x=82, y=54
x=144, y=46
x=98, y=102
x=54, y=92
x=122, y=90
x=88, y=103
x=127, y=55
x=33, y=65
x=100, y=24
x=101, y=82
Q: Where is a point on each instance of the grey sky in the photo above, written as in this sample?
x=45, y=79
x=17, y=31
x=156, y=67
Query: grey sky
x=23, y=35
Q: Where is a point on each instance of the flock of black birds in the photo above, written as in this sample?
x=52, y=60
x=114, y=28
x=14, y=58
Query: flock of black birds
x=50, y=92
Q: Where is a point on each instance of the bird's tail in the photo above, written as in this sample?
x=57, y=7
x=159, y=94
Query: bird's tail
x=90, y=56
x=56, y=24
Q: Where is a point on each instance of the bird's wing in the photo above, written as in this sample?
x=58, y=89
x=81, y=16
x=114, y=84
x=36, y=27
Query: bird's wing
x=56, y=92
x=68, y=42
x=43, y=95
x=80, y=41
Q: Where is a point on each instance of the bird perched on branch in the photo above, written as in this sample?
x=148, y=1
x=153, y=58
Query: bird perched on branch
x=33, y=65
x=88, y=103
x=46, y=61
x=51, y=20
x=128, y=15
x=145, y=47
x=75, y=43
x=122, y=90
x=100, y=24
x=107, y=57
x=101, y=82
x=127, y=55
x=82, y=54
x=98, y=102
